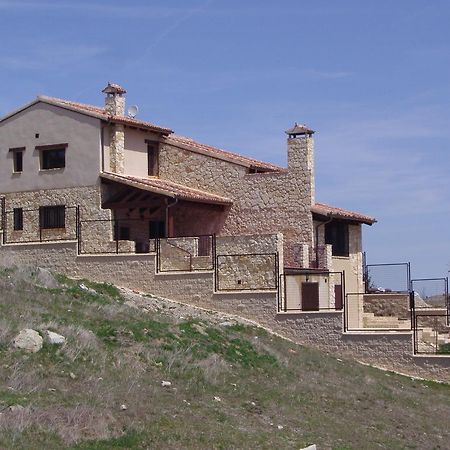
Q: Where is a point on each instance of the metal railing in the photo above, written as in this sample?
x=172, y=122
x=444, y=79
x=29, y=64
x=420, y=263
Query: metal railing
x=235, y=272
x=431, y=334
x=108, y=237
x=431, y=293
x=185, y=253
x=32, y=230
x=389, y=277
x=378, y=311
x=306, y=291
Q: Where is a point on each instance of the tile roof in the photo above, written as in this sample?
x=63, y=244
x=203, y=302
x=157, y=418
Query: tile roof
x=190, y=144
x=339, y=213
x=299, y=128
x=168, y=188
x=101, y=113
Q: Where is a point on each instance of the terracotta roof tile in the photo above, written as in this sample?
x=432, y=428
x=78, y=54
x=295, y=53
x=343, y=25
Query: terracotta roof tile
x=100, y=112
x=168, y=188
x=326, y=210
x=186, y=142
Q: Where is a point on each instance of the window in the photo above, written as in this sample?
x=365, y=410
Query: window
x=157, y=229
x=52, y=156
x=336, y=234
x=18, y=161
x=17, y=154
x=18, y=219
x=153, y=158
x=52, y=216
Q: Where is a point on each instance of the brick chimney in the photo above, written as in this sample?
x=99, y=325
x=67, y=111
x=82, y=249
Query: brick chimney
x=115, y=99
x=115, y=106
x=301, y=157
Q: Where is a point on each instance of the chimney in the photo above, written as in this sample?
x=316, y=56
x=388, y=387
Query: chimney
x=114, y=100
x=301, y=157
x=115, y=106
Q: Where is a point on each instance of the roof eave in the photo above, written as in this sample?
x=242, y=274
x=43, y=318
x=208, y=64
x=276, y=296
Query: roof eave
x=323, y=215
x=165, y=193
x=19, y=110
x=44, y=99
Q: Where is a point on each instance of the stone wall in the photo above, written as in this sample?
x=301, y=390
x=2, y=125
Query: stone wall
x=274, y=202
x=322, y=330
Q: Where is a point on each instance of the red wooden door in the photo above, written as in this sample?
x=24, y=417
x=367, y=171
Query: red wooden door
x=310, y=296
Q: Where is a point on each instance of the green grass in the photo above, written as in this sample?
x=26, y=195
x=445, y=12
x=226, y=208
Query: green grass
x=231, y=386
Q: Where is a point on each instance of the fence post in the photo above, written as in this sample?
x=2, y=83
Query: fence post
x=4, y=225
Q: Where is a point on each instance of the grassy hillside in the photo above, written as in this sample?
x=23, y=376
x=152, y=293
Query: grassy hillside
x=232, y=386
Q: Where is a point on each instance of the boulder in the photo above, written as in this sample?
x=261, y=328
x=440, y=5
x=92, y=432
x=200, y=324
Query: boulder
x=29, y=340
x=51, y=337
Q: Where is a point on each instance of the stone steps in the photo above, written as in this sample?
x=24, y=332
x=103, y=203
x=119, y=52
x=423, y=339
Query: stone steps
x=370, y=320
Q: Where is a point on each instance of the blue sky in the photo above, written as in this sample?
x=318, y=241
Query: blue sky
x=373, y=78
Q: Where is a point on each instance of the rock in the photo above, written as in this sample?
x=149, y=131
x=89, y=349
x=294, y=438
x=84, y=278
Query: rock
x=45, y=278
x=72, y=375
x=166, y=383
x=197, y=327
x=123, y=407
x=226, y=323
x=29, y=340
x=88, y=289
x=280, y=427
x=53, y=338
x=16, y=408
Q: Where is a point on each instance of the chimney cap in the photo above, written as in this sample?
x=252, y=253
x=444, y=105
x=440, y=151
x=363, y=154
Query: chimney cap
x=113, y=88
x=299, y=130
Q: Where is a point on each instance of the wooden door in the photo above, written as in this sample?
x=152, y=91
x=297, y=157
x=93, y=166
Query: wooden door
x=338, y=304
x=310, y=296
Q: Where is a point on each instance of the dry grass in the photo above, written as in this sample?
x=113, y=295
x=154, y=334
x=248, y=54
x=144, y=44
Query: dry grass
x=231, y=386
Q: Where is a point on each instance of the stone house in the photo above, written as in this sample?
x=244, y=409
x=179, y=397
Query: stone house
x=115, y=183
x=94, y=192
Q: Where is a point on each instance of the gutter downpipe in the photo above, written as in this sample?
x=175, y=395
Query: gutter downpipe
x=169, y=205
x=317, y=236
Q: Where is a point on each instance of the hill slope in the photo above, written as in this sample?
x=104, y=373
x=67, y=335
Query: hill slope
x=230, y=385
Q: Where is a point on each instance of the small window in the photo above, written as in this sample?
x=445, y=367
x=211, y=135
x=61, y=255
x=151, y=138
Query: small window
x=336, y=234
x=53, y=159
x=153, y=159
x=17, y=155
x=18, y=219
x=157, y=229
x=52, y=216
x=18, y=161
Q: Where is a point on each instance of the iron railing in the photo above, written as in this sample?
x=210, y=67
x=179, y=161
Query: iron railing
x=185, y=253
x=108, y=239
x=32, y=230
x=389, y=277
x=431, y=334
x=292, y=292
x=241, y=262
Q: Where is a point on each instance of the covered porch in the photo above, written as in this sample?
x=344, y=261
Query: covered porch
x=146, y=209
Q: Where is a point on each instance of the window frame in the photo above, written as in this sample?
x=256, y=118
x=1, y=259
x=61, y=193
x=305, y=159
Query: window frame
x=17, y=154
x=52, y=217
x=337, y=233
x=46, y=150
x=152, y=158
